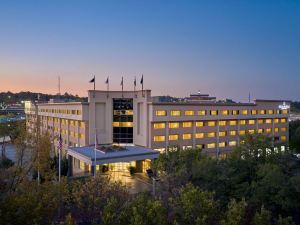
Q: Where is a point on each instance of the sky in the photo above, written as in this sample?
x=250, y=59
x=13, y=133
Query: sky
x=224, y=48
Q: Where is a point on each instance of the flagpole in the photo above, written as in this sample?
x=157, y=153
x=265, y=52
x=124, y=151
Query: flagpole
x=94, y=86
x=59, y=158
x=134, y=85
x=107, y=85
x=122, y=87
x=95, y=152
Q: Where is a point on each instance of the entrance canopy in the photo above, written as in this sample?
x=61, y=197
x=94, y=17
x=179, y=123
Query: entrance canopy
x=127, y=154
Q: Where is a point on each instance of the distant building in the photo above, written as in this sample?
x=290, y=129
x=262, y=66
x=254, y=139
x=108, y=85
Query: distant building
x=135, y=120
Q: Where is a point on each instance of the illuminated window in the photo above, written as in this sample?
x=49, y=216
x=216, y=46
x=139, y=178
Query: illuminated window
x=211, y=134
x=161, y=113
x=253, y=111
x=251, y=131
x=260, y=121
x=82, y=124
x=222, y=144
x=283, y=129
x=175, y=113
x=122, y=124
x=159, y=138
x=211, y=123
x=276, y=129
x=159, y=125
x=232, y=133
x=262, y=112
x=199, y=124
x=224, y=112
x=201, y=113
x=251, y=122
x=268, y=130
x=270, y=111
x=173, y=137
x=244, y=112
x=189, y=113
x=186, y=136
x=242, y=122
x=283, y=138
x=186, y=124
x=260, y=131
x=242, y=132
x=173, y=125
x=199, y=135
x=232, y=122
x=213, y=112
x=72, y=122
x=268, y=121
x=285, y=111
x=276, y=120
x=222, y=133
x=211, y=145
x=222, y=123
x=199, y=146
x=283, y=120
x=232, y=143
x=235, y=112
x=76, y=123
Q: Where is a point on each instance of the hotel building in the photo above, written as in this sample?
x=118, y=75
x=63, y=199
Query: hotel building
x=136, y=119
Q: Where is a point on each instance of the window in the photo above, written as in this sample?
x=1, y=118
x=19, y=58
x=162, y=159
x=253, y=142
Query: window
x=242, y=122
x=186, y=136
x=222, y=133
x=199, y=146
x=213, y=112
x=199, y=124
x=251, y=131
x=285, y=111
x=268, y=121
x=232, y=122
x=268, y=130
x=201, y=113
x=199, y=135
x=161, y=113
x=211, y=145
x=224, y=112
x=159, y=125
x=122, y=124
x=173, y=137
x=262, y=112
x=187, y=124
x=283, y=120
x=260, y=121
x=159, y=138
x=211, y=134
x=283, y=129
x=253, y=111
x=242, y=132
x=222, y=123
x=276, y=120
x=235, y=112
x=283, y=138
x=270, y=111
x=222, y=144
x=276, y=129
x=82, y=124
x=175, y=113
x=251, y=122
x=260, y=131
x=174, y=125
x=189, y=113
x=244, y=112
x=232, y=133
x=232, y=143
x=211, y=123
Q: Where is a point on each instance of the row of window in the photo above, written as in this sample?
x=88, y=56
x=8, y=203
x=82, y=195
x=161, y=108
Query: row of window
x=220, y=112
x=70, y=133
x=64, y=121
x=162, y=125
x=61, y=111
x=188, y=136
x=222, y=144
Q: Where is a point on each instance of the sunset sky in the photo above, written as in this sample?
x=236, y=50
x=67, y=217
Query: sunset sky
x=224, y=48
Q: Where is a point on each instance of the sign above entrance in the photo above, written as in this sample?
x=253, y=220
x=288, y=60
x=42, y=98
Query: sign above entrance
x=284, y=106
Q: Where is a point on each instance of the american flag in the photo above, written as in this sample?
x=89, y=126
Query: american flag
x=60, y=143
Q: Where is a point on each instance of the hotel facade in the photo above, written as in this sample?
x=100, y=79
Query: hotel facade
x=134, y=118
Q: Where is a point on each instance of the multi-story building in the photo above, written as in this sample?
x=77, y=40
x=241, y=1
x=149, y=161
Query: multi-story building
x=132, y=118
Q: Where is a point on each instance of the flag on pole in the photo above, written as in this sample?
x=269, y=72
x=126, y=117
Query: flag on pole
x=134, y=82
x=134, y=86
x=142, y=83
x=107, y=81
x=122, y=84
x=107, y=86
x=93, y=81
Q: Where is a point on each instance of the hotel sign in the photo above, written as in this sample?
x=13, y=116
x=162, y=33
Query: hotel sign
x=284, y=106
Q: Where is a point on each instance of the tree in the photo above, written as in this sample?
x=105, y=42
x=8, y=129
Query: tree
x=262, y=218
x=235, y=213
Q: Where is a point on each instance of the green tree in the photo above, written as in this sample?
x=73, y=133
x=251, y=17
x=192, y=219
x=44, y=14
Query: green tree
x=235, y=213
x=262, y=218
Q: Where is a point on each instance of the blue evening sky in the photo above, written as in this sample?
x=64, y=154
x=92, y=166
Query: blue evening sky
x=225, y=48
